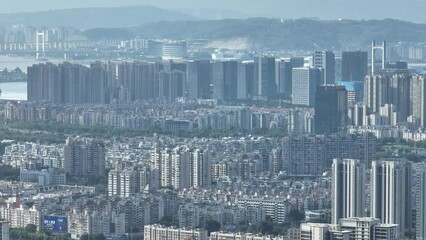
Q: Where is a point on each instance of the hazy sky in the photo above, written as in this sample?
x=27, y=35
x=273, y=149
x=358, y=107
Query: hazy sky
x=324, y=9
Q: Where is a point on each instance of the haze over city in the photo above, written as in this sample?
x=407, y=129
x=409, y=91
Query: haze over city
x=212, y=120
x=411, y=10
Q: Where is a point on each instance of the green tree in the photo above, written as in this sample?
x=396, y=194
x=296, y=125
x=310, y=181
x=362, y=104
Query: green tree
x=31, y=228
x=212, y=226
x=296, y=215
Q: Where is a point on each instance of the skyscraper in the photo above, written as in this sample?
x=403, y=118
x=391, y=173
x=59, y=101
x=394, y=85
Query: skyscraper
x=348, y=189
x=265, y=86
x=331, y=108
x=199, y=79
x=418, y=98
x=304, y=84
x=171, y=85
x=201, y=171
x=420, y=193
x=285, y=80
x=354, y=66
x=245, y=88
x=230, y=79
x=388, y=89
x=326, y=61
x=391, y=193
x=218, y=80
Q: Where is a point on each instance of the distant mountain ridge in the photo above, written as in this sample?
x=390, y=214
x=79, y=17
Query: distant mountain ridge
x=281, y=34
x=86, y=18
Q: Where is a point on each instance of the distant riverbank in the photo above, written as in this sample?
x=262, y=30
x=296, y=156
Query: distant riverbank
x=13, y=91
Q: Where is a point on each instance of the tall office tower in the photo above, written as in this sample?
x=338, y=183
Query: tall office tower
x=199, y=79
x=326, y=61
x=265, y=86
x=245, y=80
x=225, y=78
x=420, y=194
x=354, y=66
x=338, y=69
x=388, y=89
x=230, y=79
x=242, y=92
x=418, y=99
x=84, y=157
x=331, y=108
x=171, y=85
x=304, y=84
x=4, y=230
x=391, y=193
x=201, y=171
x=218, y=80
x=286, y=78
x=348, y=189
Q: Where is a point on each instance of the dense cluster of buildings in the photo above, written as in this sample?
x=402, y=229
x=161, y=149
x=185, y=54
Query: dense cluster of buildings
x=177, y=117
x=77, y=157
x=393, y=206
x=263, y=78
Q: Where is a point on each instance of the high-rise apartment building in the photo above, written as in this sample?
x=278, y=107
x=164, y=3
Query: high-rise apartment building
x=420, y=195
x=84, y=157
x=200, y=168
x=418, y=99
x=331, y=108
x=182, y=167
x=4, y=230
x=171, y=85
x=311, y=155
x=159, y=232
x=326, y=61
x=348, y=189
x=388, y=89
x=122, y=183
x=391, y=193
